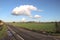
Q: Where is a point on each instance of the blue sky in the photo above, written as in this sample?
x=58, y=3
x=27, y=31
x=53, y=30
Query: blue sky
x=51, y=9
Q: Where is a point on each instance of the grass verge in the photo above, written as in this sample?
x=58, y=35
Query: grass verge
x=3, y=31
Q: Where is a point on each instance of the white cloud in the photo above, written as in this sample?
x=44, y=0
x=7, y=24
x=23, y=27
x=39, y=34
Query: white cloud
x=23, y=20
x=37, y=16
x=24, y=10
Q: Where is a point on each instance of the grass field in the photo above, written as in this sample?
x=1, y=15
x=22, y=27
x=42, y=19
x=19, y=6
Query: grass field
x=3, y=31
x=49, y=27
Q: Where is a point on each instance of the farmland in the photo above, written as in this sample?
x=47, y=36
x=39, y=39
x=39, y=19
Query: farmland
x=25, y=27
x=49, y=27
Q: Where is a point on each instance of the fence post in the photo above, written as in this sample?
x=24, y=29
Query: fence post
x=57, y=27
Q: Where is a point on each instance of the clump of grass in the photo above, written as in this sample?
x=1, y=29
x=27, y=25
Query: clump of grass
x=3, y=31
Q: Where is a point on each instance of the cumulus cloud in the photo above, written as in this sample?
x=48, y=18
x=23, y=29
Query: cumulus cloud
x=24, y=10
x=23, y=20
x=37, y=16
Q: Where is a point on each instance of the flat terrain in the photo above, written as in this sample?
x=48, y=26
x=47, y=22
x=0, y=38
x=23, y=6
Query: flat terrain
x=50, y=27
x=25, y=31
x=29, y=35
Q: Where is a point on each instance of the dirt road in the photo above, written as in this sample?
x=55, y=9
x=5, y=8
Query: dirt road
x=29, y=35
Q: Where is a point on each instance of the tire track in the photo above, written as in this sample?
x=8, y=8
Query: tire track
x=28, y=35
x=16, y=36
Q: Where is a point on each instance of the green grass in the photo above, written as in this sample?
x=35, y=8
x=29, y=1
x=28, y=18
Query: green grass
x=49, y=27
x=3, y=31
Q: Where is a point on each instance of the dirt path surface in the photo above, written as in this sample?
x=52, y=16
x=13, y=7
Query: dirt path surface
x=29, y=35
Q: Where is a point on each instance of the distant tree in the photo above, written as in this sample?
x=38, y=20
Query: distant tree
x=1, y=24
x=59, y=21
x=0, y=21
x=13, y=22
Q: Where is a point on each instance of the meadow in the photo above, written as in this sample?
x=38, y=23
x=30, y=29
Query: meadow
x=48, y=26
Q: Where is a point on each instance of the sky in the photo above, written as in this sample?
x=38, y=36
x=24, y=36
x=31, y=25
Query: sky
x=36, y=10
